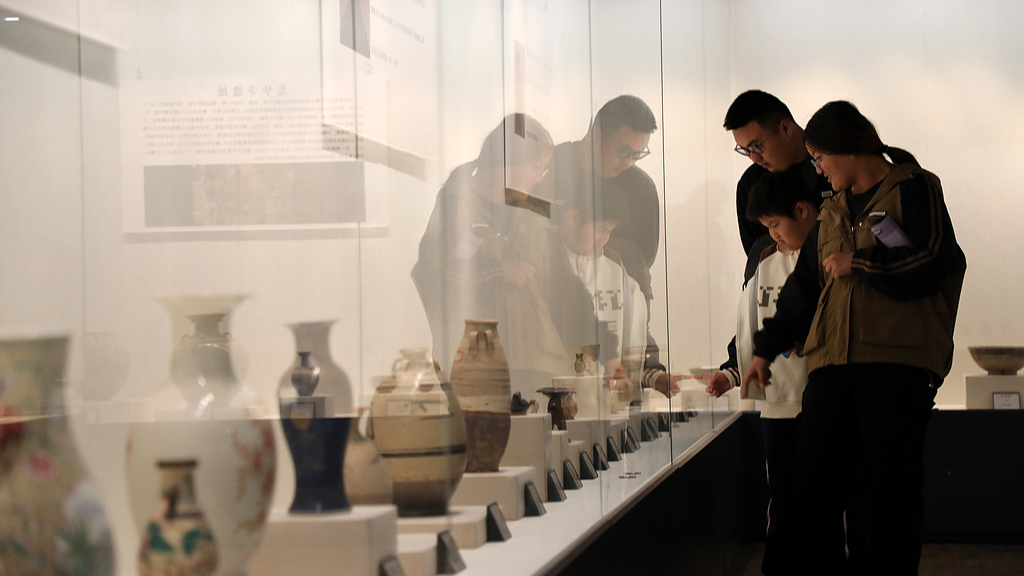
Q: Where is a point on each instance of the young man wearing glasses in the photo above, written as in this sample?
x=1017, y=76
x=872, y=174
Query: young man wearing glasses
x=766, y=133
x=604, y=161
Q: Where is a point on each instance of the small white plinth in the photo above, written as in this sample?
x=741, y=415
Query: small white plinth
x=586, y=430
x=417, y=553
x=529, y=444
x=351, y=543
x=572, y=453
x=615, y=429
x=507, y=487
x=981, y=387
x=467, y=524
x=559, y=450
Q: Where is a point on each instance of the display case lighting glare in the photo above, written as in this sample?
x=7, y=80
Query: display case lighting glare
x=11, y=19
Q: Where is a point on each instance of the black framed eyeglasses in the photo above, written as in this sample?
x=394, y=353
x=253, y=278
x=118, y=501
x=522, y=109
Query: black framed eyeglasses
x=755, y=147
x=627, y=153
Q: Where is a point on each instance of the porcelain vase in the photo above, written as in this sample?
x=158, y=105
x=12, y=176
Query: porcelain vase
x=206, y=413
x=51, y=519
x=178, y=539
x=419, y=429
x=316, y=414
x=480, y=379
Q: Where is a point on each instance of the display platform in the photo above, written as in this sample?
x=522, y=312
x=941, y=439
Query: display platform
x=540, y=545
x=986, y=392
x=467, y=524
x=507, y=487
x=347, y=544
x=529, y=444
x=559, y=450
x=417, y=554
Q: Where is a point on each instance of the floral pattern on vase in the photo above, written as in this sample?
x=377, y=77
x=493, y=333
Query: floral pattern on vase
x=207, y=414
x=480, y=379
x=51, y=519
x=419, y=429
x=178, y=539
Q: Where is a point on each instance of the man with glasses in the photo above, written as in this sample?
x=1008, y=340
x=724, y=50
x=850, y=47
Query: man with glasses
x=604, y=162
x=766, y=133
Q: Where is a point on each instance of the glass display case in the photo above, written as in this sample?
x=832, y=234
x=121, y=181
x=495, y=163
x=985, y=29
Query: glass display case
x=287, y=244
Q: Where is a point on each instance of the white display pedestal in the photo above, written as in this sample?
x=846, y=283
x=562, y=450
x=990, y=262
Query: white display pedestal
x=981, y=387
x=467, y=524
x=347, y=544
x=559, y=452
x=507, y=487
x=417, y=553
x=586, y=430
x=615, y=429
x=572, y=452
x=529, y=444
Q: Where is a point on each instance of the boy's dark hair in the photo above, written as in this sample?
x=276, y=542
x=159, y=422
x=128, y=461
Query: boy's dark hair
x=759, y=106
x=625, y=111
x=775, y=194
x=839, y=128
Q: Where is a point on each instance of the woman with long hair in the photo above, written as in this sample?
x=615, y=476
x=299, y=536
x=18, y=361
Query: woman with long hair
x=872, y=304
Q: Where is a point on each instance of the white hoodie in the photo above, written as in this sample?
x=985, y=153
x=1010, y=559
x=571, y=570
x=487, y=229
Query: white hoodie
x=781, y=398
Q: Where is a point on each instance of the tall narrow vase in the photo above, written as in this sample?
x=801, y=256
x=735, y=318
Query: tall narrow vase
x=316, y=414
x=178, y=539
x=51, y=520
x=420, y=431
x=480, y=379
x=207, y=414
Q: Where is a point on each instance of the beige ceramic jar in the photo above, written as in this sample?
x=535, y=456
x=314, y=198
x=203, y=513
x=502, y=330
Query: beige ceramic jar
x=419, y=430
x=480, y=379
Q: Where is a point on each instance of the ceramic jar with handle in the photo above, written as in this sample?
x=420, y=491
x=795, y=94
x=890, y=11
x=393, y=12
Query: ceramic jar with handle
x=480, y=379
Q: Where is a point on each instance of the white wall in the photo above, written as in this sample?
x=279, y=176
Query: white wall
x=940, y=78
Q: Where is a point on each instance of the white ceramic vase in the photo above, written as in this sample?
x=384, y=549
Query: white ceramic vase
x=207, y=414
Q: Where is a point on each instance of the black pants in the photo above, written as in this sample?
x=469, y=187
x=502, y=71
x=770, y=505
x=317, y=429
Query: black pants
x=780, y=448
x=863, y=428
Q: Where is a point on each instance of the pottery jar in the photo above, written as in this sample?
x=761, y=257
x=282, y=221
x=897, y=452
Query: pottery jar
x=480, y=379
x=178, y=540
x=419, y=429
x=46, y=499
x=367, y=480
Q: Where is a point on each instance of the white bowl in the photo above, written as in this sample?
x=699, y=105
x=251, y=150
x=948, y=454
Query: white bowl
x=998, y=360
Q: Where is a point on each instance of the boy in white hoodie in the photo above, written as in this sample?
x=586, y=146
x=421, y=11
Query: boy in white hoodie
x=778, y=205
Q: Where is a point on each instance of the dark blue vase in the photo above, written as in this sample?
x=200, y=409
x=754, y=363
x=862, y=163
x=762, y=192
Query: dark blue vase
x=317, y=445
x=317, y=441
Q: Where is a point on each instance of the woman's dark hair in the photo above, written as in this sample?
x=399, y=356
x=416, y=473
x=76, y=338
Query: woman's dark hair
x=775, y=194
x=839, y=128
